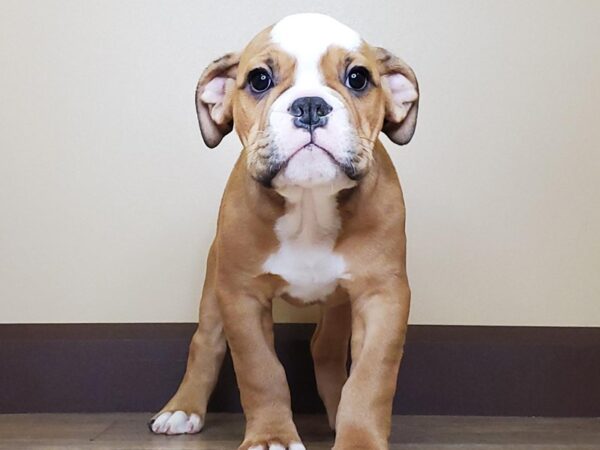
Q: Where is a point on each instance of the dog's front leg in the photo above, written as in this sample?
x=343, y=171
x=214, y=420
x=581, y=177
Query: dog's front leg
x=186, y=411
x=379, y=320
x=261, y=379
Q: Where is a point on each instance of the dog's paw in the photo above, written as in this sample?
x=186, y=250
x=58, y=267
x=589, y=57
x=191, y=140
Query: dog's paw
x=277, y=446
x=176, y=422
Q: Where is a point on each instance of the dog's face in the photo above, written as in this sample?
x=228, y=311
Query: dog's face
x=308, y=98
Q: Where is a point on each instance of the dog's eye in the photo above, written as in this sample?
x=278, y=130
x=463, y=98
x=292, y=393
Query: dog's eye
x=259, y=80
x=358, y=78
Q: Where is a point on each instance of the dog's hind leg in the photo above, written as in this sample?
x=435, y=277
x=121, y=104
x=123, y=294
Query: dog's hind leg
x=329, y=348
x=186, y=411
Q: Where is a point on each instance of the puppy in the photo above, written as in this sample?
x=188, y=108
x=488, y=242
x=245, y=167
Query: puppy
x=312, y=212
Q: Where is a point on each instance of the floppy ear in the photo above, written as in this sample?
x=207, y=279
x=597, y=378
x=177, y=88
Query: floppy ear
x=213, y=99
x=402, y=97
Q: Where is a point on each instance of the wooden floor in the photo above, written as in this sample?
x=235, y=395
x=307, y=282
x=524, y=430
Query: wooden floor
x=224, y=432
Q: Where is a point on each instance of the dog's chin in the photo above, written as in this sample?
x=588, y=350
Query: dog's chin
x=310, y=167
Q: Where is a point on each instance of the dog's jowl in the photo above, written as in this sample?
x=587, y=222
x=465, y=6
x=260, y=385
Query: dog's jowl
x=312, y=213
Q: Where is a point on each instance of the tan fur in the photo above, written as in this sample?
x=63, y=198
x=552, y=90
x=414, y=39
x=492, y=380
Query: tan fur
x=370, y=308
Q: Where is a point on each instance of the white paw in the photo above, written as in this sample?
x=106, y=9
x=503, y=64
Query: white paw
x=177, y=422
x=292, y=446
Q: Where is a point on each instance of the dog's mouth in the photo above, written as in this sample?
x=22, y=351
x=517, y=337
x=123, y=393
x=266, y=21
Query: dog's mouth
x=312, y=146
x=276, y=166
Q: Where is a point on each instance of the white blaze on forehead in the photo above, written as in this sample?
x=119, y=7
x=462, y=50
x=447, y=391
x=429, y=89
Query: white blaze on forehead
x=307, y=37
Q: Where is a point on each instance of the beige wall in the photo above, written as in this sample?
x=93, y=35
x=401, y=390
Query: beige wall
x=108, y=197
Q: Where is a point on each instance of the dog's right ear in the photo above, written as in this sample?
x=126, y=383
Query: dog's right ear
x=402, y=97
x=213, y=99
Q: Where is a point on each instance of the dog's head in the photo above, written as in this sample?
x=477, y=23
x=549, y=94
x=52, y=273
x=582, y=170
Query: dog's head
x=308, y=98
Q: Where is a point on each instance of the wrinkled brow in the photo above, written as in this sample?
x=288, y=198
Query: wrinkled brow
x=279, y=63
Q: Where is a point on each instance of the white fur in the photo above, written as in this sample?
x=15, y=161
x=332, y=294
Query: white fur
x=306, y=37
x=307, y=234
x=311, y=178
x=311, y=165
x=177, y=422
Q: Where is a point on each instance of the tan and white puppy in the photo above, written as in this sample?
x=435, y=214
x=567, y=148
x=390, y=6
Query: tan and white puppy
x=312, y=212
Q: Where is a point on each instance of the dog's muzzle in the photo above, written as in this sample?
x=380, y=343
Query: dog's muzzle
x=309, y=123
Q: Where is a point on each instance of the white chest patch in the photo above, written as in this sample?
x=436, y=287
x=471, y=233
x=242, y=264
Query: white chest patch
x=307, y=234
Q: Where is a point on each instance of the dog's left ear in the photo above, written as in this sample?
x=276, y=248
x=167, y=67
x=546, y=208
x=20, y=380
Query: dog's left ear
x=401, y=90
x=213, y=99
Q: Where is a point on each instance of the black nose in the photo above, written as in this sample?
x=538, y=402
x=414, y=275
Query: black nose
x=310, y=112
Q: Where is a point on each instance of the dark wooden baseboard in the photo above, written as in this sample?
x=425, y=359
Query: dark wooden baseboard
x=458, y=370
